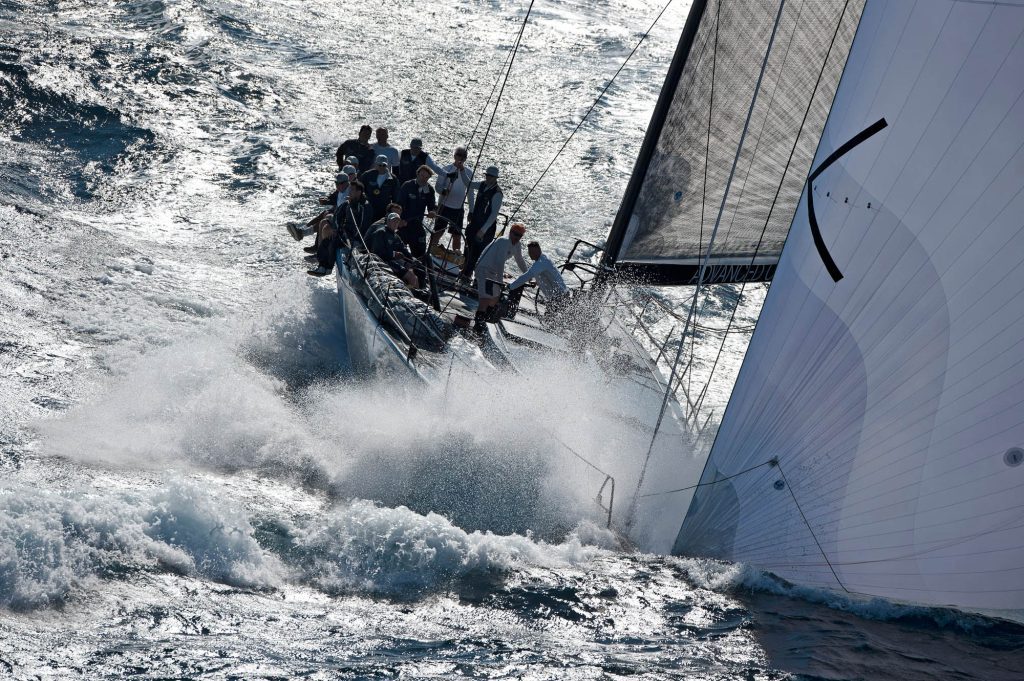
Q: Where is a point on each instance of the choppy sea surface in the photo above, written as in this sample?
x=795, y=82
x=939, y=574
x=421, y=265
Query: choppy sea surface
x=192, y=482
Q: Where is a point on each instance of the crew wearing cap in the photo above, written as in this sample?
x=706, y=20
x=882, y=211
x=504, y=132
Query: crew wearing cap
x=331, y=201
x=452, y=183
x=351, y=171
x=349, y=222
x=358, y=148
x=382, y=148
x=417, y=200
x=381, y=187
x=490, y=270
x=484, y=205
x=355, y=216
x=412, y=159
x=389, y=247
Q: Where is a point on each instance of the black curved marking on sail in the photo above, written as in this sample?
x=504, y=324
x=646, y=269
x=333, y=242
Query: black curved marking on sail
x=819, y=242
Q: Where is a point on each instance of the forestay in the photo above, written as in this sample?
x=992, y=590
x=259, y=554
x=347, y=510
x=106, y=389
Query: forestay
x=892, y=398
x=672, y=203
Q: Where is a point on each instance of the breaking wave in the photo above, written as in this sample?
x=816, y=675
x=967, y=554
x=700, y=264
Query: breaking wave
x=55, y=546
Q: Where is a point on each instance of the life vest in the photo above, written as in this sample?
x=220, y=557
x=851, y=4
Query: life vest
x=409, y=164
x=482, y=205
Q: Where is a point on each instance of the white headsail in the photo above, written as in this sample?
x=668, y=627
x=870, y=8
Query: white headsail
x=893, y=398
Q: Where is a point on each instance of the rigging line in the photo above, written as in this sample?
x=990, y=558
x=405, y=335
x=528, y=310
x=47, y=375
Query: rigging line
x=487, y=103
x=813, y=536
x=508, y=72
x=770, y=462
x=775, y=199
x=707, y=257
x=704, y=187
x=743, y=189
x=593, y=106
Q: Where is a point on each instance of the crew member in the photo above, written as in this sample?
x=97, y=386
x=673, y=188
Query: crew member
x=382, y=148
x=331, y=202
x=549, y=280
x=484, y=205
x=353, y=219
x=389, y=247
x=412, y=159
x=381, y=187
x=417, y=199
x=490, y=271
x=359, y=147
x=452, y=183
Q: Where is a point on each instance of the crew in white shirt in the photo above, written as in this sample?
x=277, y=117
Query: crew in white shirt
x=490, y=271
x=549, y=279
x=382, y=148
x=452, y=183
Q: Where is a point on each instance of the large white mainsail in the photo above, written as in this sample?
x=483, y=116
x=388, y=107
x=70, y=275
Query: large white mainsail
x=892, y=399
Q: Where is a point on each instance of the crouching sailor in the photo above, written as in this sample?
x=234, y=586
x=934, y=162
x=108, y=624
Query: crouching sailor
x=389, y=247
x=490, y=271
x=549, y=280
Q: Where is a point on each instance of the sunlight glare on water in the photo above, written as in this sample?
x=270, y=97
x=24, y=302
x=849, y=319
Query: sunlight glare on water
x=195, y=485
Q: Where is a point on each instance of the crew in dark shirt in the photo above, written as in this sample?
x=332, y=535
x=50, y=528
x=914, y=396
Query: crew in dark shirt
x=360, y=148
x=412, y=159
x=389, y=247
x=417, y=200
x=381, y=187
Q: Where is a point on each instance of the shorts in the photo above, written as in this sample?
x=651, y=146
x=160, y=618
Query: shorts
x=450, y=219
x=487, y=285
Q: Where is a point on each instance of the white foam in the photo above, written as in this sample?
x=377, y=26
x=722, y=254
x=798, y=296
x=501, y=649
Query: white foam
x=53, y=544
x=365, y=547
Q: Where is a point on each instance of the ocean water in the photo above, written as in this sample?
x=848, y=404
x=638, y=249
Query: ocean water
x=193, y=484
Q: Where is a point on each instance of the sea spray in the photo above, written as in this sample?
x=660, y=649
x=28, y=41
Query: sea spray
x=59, y=546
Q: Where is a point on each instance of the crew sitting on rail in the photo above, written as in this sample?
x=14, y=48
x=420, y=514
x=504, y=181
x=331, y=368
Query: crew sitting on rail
x=354, y=218
x=549, y=280
x=331, y=201
x=417, y=200
x=452, y=183
x=389, y=247
x=381, y=187
x=348, y=226
x=414, y=158
x=484, y=205
x=329, y=241
x=490, y=271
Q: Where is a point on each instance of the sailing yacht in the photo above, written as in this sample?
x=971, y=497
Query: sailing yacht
x=866, y=157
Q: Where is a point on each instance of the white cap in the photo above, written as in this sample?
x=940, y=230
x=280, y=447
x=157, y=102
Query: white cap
x=492, y=171
x=349, y=170
x=382, y=159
